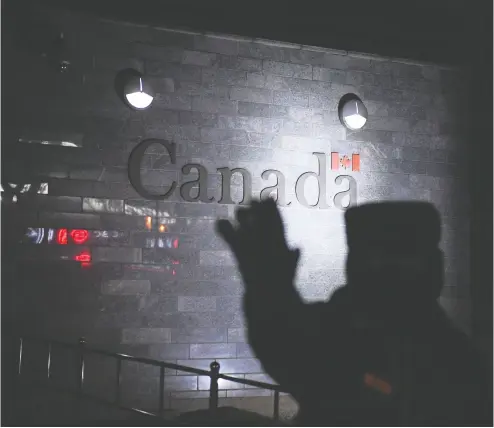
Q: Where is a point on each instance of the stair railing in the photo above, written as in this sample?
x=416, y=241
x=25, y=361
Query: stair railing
x=83, y=350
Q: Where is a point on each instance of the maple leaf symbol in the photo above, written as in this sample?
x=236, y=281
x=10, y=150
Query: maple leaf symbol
x=345, y=162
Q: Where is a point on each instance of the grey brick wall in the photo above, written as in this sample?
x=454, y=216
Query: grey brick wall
x=225, y=102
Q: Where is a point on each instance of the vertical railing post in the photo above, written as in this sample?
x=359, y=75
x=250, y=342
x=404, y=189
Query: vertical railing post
x=213, y=389
x=19, y=364
x=276, y=411
x=48, y=369
x=162, y=390
x=17, y=379
x=80, y=369
x=80, y=374
x=119, y=381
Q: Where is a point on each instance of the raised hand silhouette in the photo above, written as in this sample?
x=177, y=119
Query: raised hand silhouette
x=258, y=241
x=272, y=306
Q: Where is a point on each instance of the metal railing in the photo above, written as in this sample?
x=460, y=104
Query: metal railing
x=83, y=350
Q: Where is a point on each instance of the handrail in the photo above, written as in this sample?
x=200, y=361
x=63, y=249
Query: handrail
x=82, y=349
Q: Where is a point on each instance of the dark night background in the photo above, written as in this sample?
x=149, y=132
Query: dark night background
x=454, y=32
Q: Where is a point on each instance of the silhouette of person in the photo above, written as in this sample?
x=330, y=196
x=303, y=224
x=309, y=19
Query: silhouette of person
x=380, y=351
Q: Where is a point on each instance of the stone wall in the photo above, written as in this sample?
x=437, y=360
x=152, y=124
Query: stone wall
x=160, y=283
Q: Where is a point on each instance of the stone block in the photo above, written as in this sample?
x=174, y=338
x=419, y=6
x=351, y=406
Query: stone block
x=170, y=351
x=180, y=383
x=199, y=335
x=223, y=76
x=196, y=304
x=142, y=336
x=115, y=254
x=126, y=287
x=173, y=101
x=329, y=75
x=213, y=350
x=290, y=99
x=255, y=95
x=237, y=335
x=175, y=71
x=201, y=59
x=216, y=258
x=212, y=104
x=239, y=63
x=287, y=69
x=322, y=102
x=69, y=220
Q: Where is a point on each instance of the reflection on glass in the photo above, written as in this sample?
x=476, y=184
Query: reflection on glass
x=153, y=242
x=167, y=220
x=79, y=236
x=64, y=236
x=83, y=256
x=51, y=142
x=43, y=189
x=23, y=188
x=35, y=235
x=162, y=223
x=107, y=234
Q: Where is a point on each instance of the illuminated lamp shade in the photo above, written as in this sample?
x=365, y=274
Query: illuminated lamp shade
x=352, y=112
x=138, y=92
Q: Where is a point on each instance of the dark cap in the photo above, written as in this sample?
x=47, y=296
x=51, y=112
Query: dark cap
x=393, y=226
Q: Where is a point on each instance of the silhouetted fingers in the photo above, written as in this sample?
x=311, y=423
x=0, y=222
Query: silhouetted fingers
x=271, y=223
x=245, y=219
x=227, y=232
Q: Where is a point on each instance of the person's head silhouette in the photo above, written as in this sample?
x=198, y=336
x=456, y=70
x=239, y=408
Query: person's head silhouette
x=393, y=256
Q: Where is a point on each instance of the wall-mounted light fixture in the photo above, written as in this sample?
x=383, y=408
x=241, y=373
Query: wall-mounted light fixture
x=134, y=89
x=138, y=92
x=352, y=112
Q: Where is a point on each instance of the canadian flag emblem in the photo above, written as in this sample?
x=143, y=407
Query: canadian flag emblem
x=339, y=161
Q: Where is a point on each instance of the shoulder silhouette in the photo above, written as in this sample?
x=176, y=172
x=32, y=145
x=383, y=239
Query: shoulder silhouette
x=380, y=351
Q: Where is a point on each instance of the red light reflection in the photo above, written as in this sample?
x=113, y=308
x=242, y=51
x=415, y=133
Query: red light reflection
x=62, y=236
x=83, y=256
x=79, y=236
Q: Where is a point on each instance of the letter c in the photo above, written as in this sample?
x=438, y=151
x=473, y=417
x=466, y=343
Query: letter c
x=134, y=167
